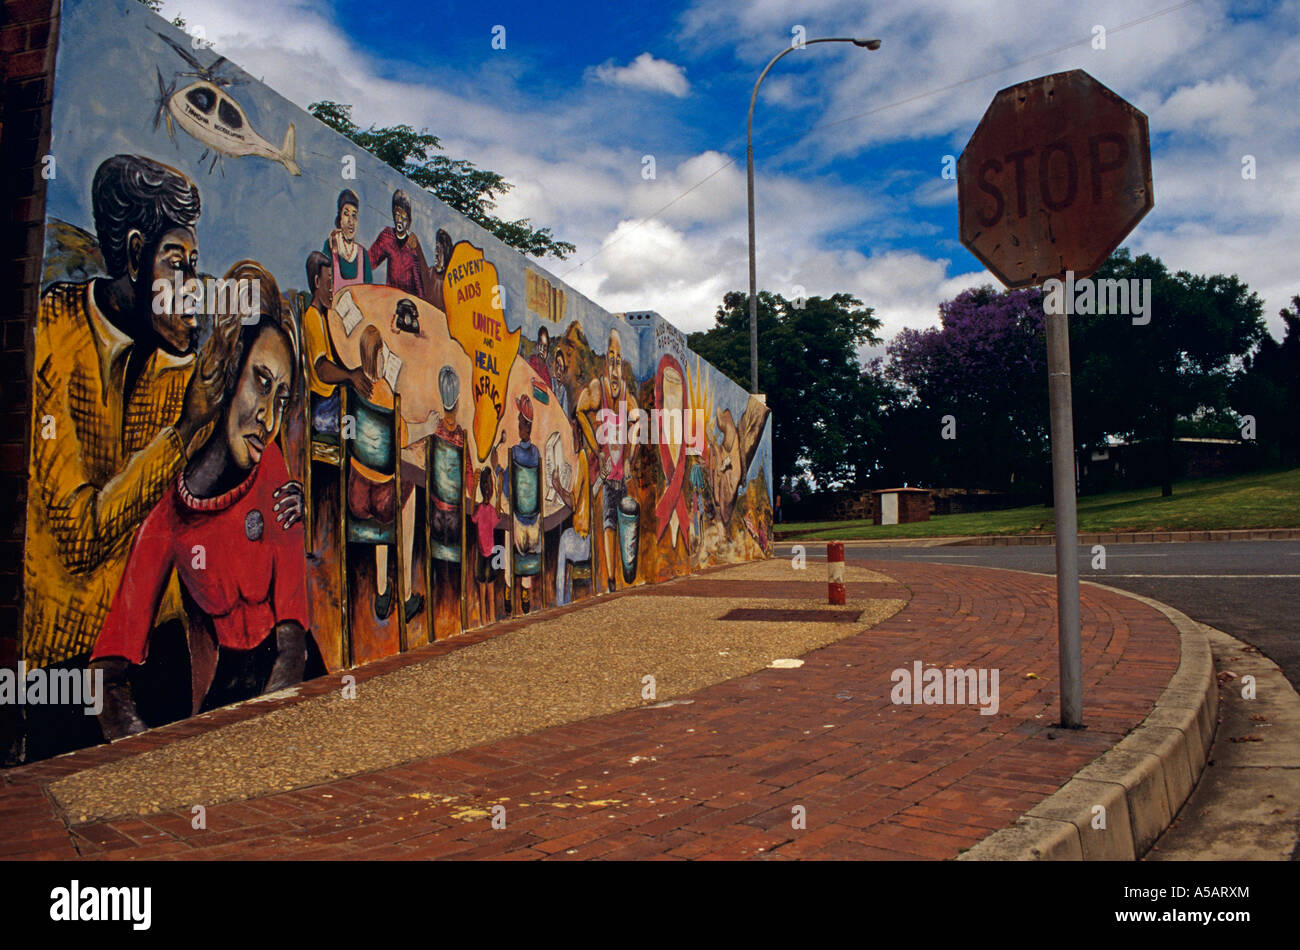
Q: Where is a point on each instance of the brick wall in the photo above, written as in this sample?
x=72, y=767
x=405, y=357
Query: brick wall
x=27, y=44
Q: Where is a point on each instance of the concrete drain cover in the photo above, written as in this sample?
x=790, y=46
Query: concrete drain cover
x=786, y=615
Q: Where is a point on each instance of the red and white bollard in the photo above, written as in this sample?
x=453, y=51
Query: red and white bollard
x=835, y=571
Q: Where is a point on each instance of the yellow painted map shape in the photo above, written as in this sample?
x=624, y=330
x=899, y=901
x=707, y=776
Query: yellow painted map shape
x=477, y=322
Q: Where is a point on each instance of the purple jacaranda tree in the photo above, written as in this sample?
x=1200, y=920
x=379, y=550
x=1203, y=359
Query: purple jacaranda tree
x=985, y=367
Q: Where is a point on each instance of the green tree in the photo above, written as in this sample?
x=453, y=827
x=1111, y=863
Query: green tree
x=156, y=7
x=1269, y=390
x=464, y=186
x=822, y=406
x=1137, y=381
x=974, y=412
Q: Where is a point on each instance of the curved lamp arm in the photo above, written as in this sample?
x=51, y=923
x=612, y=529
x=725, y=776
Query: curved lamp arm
x=870, y=44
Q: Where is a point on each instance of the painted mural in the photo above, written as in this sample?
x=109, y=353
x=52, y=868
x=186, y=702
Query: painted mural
x=291, y=414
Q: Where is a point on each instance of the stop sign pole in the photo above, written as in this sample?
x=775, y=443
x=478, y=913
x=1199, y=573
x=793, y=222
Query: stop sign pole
x=1057, y=173
x=1061, y=403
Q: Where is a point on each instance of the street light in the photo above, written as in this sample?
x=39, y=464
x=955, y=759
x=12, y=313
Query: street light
x=749, y=153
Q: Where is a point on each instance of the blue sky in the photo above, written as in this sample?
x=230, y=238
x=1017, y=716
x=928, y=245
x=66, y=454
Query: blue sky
x=581, y=93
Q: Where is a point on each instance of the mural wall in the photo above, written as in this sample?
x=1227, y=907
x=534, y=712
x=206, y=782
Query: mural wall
x=292, y=414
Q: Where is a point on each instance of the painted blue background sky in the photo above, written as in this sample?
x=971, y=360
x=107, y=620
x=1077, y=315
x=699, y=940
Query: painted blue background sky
x=584, y=90
x=106, y=100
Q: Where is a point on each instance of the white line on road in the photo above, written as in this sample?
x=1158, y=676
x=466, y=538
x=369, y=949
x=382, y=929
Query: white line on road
x=1203, y=576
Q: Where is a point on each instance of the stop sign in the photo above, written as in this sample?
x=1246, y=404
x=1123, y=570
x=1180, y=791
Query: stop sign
x=1055, y=176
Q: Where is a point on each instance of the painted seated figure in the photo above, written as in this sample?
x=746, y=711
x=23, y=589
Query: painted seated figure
x=229, y=527
x=452, y=475
x=324, y=368
x=526, y=505
x=372, y=492
x=575, y=541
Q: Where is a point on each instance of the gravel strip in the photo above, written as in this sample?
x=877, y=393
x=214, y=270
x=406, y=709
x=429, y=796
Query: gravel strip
x=578, y=665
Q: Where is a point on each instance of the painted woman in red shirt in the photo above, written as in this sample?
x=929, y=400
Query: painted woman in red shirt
x=242, y=577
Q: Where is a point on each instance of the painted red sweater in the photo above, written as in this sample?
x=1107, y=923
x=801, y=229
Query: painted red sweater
x=405, y=265
x=249, y=575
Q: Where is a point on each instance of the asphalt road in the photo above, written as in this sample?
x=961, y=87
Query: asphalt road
x=1249, y=589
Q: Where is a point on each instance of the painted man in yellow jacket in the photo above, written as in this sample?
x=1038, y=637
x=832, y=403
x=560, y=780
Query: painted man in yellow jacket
x=116, y=403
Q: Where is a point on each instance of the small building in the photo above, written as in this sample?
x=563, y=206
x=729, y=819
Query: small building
x=901, y=505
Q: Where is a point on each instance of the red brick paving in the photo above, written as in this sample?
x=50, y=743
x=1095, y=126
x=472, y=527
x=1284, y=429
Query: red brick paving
x=717, y=778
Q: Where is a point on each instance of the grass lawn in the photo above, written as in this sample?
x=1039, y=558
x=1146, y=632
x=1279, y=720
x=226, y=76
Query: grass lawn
x=1262, y=500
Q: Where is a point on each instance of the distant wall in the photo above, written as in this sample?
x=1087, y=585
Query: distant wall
x=156, y=445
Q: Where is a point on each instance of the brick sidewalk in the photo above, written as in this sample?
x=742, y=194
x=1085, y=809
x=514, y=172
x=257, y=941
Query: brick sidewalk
x=718, y=775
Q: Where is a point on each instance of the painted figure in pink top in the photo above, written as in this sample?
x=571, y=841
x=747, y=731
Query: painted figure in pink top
x=351, y=261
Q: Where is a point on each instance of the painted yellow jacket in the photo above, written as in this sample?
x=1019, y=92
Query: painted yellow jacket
x=100, y=460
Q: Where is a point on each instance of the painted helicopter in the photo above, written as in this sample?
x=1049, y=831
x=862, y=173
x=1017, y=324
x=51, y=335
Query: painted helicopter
x=208, y=113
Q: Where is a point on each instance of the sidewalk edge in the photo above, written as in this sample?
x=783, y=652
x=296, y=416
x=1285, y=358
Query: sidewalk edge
x=1116, y=807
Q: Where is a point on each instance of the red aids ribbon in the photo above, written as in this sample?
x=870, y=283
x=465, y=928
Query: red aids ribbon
x=674, y=472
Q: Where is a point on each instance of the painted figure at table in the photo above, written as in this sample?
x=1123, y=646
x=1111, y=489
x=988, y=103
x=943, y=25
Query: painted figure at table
x=400, y=248
x=229, y=527
x=445, y=515
x=607, y=396
x=116, y=404
x=372, y=495
x=324, y=369
x=575, y=541
x=525, y=499
x=443, y=246
x=351, y=260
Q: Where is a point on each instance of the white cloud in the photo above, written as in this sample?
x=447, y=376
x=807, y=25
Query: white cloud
x=646, y=72
x=1215, y=89
x=1219, y=107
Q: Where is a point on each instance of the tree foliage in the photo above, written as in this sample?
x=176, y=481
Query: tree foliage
x=156, y=7
x=459, y=183
x=1268, y=389
x=824, y=421
x=1136, y=381
x=985, y=367
x=1203, y=358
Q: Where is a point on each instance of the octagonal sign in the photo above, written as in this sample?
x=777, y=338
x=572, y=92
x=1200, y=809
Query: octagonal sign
x=1055, y=176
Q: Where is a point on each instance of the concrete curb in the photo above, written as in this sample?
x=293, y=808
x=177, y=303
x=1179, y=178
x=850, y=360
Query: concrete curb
x=1141, y=783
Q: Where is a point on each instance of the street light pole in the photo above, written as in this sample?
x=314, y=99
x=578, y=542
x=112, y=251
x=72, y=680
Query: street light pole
x=749, y=155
